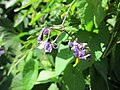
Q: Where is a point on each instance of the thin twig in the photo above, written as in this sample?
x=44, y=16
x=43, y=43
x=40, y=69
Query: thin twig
x=61, y=32
x=63, y=22
x=57, y=37
x=67, y=33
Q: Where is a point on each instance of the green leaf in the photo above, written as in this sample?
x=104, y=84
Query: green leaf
x=10, y=3
x=97, y=81
x=63, y=57
x=18, y=19
x=104, y=3
x=29, y=56
x=50, y=60
x=63, y=36
x=14, y=42
x=71, y=29
x=112, y=21
x=54, y=33
x=73, y=8
x=82, y=65
x=39, y=53
x=99, y=15
x=115, y=62
x=69, y=1
x=91, y=10
x=40, y=14
x=30, y=73
x=95, y=41
x=89, y=26
x=73, y=79
x=26, y=3
x=20, y=65
x=53, y=86
x=22, y=34
x=114, y=36
x=101, y=68
x=46, y=76
x=6, y=24
x=17, y=83
x=46, y=60
x=34, y=19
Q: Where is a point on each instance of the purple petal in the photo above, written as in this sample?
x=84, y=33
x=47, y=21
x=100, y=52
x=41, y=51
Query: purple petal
x=45, y=31
x=39, y=39
x=75, y=42
x=76, y=39
x=48, y=47
x=85, y=57
x=75, y=48
x=42, y=45
x=83, y=52
x=70, y=44
x=82, y=57
x=76, y=54
x=79, y=49
x=80, y=46
x=1, y=52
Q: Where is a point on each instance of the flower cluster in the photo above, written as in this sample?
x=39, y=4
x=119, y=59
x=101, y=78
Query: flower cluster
x=46, y=44
x=80, y=49
x=1, y=52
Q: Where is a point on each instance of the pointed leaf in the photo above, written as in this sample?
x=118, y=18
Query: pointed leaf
x=29, y=74
x=64, y=56
x=73, y=79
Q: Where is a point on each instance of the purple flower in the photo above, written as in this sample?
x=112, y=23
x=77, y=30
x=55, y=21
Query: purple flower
x=75, y=42
x=42, y=44
x=76, y=54
x=88, y=56
x=48, y=47
x=46, y=44
x=70, y=44
x=75, y=48
x=80, y=49
x=40, y=38
x=82, y=54
x=45, y=31
x=1, y=52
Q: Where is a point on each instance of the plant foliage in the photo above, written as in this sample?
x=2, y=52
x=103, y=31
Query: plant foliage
x=55, y=62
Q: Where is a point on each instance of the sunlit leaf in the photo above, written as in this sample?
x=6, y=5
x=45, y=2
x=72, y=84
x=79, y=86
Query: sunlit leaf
x=63, y=57
x=29, y=74
x=46, y=76
x=17, y=83
x=19, y=18
x=53, y=86
x=91, y=10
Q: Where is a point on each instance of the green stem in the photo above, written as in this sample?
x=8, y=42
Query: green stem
x=63, y=22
